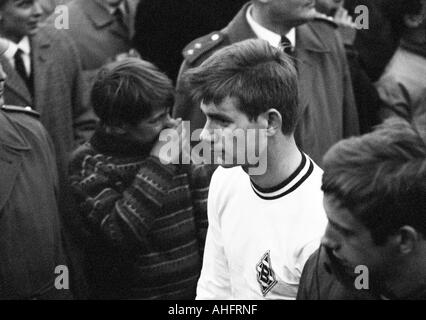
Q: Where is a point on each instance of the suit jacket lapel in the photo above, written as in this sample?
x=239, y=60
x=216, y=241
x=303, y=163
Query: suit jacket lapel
x=40, y=47
x=15, y=83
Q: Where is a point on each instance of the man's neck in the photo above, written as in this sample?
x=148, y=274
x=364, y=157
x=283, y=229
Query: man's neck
x=262, y=18
x=410, y=282
x=283, y=159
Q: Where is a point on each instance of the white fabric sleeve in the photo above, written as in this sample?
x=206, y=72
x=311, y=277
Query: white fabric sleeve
x=214, y=283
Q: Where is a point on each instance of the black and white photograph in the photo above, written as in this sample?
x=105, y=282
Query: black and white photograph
x=212, y=154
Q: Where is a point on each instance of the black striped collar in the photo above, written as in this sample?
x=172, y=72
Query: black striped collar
x=304, y=170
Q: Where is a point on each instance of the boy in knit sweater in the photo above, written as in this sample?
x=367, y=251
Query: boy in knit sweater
x=143, y=219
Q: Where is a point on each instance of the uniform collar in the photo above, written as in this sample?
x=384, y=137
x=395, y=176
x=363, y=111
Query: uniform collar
x=261, y=32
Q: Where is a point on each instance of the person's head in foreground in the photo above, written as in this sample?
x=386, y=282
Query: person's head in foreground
x=248, y=92
x=375, y=199
x=132, y=99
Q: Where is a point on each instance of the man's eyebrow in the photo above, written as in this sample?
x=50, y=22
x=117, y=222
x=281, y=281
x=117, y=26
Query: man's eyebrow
x=158, y=116
x=218, y=116
x=339, y=227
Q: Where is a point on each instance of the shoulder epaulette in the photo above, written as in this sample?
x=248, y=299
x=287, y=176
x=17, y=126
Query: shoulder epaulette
x=202, y=45
x=326, y=19
x=26, y=110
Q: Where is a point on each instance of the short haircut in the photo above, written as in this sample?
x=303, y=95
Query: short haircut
x=258, y=75
x=381, y=178
x=128, y=91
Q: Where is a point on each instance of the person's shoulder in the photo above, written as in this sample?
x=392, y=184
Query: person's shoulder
x=201, y=47
x=324, y=22
x=16, y=112
x=25, y=119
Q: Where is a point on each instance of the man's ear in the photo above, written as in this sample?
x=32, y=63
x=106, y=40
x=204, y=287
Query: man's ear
x=408, y=239
x=413, y=21
x=274, y=121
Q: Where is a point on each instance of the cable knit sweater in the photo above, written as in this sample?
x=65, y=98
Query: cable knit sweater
x=144, y=223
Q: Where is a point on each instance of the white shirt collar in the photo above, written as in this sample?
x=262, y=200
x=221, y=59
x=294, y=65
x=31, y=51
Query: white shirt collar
x=265, y=34
x=24, y=45
x=122, y=6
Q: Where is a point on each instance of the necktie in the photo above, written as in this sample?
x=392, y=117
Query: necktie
x=20, y=68
x=286, y=44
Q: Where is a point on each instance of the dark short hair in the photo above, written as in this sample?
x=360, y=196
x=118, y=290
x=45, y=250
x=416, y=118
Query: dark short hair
x=258, y=75
x=128, y=91
x=381, y=178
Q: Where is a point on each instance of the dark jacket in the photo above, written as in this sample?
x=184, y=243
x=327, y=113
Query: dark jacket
x=145, y=222
x=318, y=282
x=322, y=280
x=30, y=230
x=328, y=110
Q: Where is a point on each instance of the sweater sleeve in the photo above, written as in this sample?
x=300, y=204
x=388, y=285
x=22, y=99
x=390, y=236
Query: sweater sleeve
x=123, y=215
x=214, y=282
x=200, y=181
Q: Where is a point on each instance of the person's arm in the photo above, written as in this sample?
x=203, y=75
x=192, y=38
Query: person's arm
x=199, y=182
x=214, y=283
x=123, y=216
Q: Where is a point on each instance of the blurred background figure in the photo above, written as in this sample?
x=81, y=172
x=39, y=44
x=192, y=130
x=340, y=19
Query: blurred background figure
x=403, y=84
x=366, y=96
x=49, y=6
x=101, y=30
x=377, y=44
x=44, y=72
x=31, y=245
x=164, y=27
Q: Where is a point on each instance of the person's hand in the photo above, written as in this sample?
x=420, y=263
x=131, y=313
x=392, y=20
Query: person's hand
x=131, y=54
x=173, y=142
x=342, y=18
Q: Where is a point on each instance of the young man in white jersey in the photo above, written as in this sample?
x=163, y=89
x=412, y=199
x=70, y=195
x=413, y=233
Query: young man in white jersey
x=263, y=224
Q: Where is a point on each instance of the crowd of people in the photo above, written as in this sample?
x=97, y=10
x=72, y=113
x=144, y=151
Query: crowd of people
x=309, y=119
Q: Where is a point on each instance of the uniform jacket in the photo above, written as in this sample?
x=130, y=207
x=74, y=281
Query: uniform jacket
x=30, y=231
x=97, y=36
x=328, y=110
x=58, y=92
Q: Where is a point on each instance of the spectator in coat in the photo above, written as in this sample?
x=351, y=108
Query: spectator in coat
x=31, y=246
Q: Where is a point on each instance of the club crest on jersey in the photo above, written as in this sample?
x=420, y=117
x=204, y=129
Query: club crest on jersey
x=265, y=274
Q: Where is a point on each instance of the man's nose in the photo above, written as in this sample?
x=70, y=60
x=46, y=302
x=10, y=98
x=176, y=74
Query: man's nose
x=207, y=134
x=330, y=239
x=3, y=75
x=37, y=9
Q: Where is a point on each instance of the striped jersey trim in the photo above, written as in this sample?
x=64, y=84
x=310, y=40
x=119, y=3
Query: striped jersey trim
x=302, y=173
